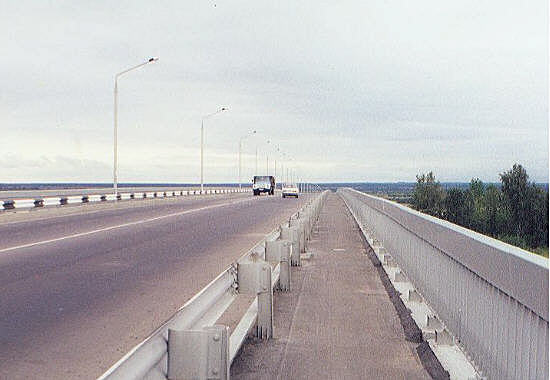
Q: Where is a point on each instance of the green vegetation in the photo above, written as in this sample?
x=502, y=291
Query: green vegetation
x=516, y=213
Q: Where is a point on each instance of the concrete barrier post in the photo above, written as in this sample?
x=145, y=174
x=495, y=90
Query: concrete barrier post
x=199, y=354
x=254, y=277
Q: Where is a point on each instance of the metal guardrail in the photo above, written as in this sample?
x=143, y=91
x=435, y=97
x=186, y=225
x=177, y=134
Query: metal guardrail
x=190, y=342
x=28, y=203
x=491, y=296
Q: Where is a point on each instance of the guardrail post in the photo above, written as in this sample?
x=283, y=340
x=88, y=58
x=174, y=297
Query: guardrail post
x=301, y=233
x=399, y=277
x=280, y=251
x=254, y=277
x=199, y=354
x=292, y=234
x=9, y=205
x=284, y=265
x=432, y=322
x=444, y=338
x=307, y=219
x=413, y=296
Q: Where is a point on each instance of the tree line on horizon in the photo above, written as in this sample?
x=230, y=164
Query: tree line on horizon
x=516, y=212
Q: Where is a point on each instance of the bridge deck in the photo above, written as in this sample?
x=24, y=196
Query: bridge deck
x=338, y=322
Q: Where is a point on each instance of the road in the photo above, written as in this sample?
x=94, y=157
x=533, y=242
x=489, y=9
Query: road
x=77, y=291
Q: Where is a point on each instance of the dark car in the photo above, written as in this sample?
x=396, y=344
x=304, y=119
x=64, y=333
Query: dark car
x=263, y=184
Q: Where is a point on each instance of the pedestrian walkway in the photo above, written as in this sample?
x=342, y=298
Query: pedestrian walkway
x=338, y=321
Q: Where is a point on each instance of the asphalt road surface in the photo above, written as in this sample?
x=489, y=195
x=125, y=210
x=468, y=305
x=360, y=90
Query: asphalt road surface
x=78, y=291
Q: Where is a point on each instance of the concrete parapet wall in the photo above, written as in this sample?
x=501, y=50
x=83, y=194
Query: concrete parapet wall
x=491, y=296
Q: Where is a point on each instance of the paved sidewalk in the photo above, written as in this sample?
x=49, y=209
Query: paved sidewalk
x=338, y=321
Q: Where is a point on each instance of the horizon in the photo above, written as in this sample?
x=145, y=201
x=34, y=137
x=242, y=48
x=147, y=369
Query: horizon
x=236, y=183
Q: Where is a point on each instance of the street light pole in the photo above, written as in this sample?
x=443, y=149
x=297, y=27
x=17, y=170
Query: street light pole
x=240, y=160
x=115, y=141
x=202, y=154
x=202, y=142
x=240, y=154
x=115, y=113
x=278, y=155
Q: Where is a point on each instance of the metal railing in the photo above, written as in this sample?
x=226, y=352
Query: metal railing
x=181, y=347
x=491, y=296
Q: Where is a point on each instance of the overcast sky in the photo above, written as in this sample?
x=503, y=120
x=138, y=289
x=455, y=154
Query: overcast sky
x=351, y=90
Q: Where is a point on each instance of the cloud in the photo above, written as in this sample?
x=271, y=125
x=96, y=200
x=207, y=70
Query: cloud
x=372, y=90
x=51, y=169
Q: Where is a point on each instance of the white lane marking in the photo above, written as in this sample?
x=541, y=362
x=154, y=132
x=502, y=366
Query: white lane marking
x=122, y=225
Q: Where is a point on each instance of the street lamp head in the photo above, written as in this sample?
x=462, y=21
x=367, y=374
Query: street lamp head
x=153, y=59
x=224, y=109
